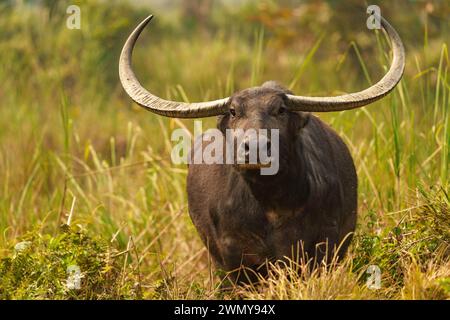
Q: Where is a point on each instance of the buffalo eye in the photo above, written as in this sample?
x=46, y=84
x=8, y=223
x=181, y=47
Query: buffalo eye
x=233, y=112
x=281, y=110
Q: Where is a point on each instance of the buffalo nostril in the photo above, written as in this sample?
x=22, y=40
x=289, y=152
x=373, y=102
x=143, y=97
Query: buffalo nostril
x=269, y=149
x=246, y=147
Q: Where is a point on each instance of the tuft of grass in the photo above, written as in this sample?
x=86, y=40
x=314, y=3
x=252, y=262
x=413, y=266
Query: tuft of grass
x=413, y=257
x=419, y=239
x=71, y=265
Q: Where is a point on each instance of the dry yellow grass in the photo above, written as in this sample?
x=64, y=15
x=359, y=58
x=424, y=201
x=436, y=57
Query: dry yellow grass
x=67, y=131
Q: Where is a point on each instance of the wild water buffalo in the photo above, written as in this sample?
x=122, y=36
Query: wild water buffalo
x=308, y=208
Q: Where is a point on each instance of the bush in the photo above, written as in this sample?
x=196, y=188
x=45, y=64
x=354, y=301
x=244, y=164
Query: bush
x=39, y=267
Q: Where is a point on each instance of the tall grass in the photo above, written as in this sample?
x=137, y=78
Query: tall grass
x=67, y=131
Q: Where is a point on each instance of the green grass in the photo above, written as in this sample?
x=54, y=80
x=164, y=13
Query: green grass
x=73, y=144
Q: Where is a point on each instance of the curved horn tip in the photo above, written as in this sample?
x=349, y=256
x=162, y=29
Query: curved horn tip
x=146, y=21
x=364, y=97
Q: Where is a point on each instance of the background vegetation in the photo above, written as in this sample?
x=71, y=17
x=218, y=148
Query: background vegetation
x=75, y=151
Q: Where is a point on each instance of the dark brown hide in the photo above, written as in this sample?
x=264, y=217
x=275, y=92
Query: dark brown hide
x=246, y=219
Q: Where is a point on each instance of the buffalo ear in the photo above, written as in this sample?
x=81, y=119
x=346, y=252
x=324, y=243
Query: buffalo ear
x=223, y=119
x=299, y=120
x=222, y=122
x=304, y=119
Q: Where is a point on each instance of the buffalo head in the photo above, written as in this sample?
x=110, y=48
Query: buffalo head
x=262, y=126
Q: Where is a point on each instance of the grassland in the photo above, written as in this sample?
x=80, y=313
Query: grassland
x=74, y=149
